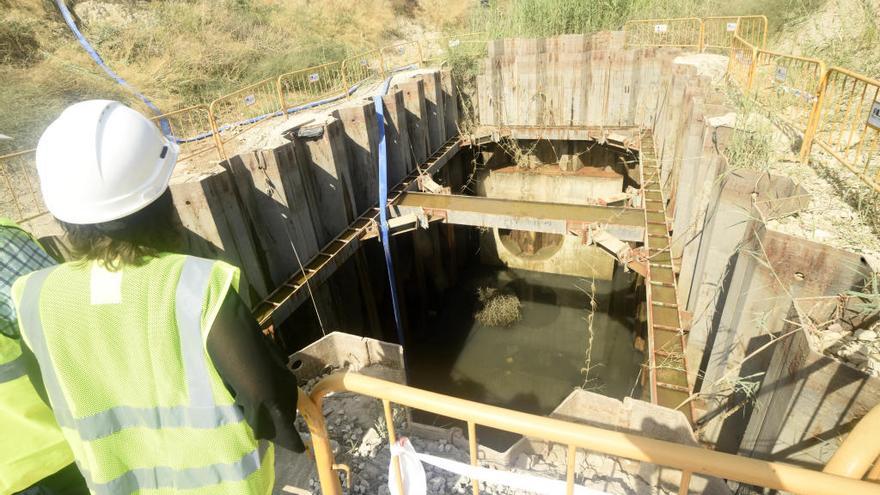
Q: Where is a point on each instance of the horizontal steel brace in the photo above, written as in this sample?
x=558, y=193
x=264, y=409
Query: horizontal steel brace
x=627, y=224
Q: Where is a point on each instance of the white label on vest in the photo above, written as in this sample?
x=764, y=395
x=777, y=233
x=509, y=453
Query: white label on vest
x=874, y=116
x=106, y=286
x=660, y=28
x=731, y=27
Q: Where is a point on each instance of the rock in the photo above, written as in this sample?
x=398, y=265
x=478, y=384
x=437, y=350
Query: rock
x=436, y=484
x=371, y=440
x=866, y=335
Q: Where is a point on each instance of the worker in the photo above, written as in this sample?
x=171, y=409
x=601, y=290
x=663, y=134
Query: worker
x=34, y=456
x=156, y=371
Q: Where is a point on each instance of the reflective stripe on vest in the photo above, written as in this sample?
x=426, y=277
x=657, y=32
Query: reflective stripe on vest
x=184, y=479
x=12, y=370
x=202, y=412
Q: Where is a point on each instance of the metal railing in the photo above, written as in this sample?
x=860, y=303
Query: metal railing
x=845, y=123
x=707, y=33
x=401, y=55
x=787, y=85
x=190, y=127
x=687, y=459
x=683, y=32
x=445, y=47
x=21, y=199
x=313, y=83
x=203, y=131
x=363, y=67
x=234, y=113
x=741, y=63
x=718, y=32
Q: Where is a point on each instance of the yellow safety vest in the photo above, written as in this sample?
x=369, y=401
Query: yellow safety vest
x=125, y=365
x=32, y=446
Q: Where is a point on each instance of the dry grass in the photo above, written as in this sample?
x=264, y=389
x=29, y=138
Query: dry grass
x=499, y=309
x=176, y=52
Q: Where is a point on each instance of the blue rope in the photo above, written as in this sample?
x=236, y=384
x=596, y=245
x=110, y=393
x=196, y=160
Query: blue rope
x=166, y=129
x=383, y=208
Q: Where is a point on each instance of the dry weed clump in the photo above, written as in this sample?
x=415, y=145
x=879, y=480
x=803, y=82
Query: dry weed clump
x=499, y=309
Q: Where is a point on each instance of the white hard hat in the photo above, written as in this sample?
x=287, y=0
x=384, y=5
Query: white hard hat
x=101, y=161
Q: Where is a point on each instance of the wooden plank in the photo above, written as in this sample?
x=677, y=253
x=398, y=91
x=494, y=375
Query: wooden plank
x=216, y=226
x=361, y=138
x=400, y=160
x=414, y=103
x=434, y=107
x=450, y=103
x=258, y=181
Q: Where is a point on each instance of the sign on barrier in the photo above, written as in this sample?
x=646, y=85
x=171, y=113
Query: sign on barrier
x=731, y=27
x=781, y=74
x=660, y=28
x=874, y=116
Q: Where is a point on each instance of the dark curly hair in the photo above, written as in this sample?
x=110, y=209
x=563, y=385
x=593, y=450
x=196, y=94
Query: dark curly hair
x=131, y=240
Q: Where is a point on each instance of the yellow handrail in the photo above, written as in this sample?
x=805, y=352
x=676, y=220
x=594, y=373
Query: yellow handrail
x=688, y=459
x=859, y=451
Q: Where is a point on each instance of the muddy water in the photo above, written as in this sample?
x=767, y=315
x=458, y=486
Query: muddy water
x=533, y=364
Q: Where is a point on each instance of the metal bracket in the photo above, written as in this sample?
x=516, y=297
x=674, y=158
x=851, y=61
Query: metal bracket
x=426, y=183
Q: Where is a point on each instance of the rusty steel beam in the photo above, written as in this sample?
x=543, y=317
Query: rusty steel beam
x=667, y=367
x=627, y=224
x=619, y=137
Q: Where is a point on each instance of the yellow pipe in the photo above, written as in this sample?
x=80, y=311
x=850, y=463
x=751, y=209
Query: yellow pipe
x=773, y=475
x=859, y=451
x=314, y=418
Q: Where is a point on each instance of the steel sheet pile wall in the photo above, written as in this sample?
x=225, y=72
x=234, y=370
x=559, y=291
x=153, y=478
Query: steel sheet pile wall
x=737, y=278
x=268, y=206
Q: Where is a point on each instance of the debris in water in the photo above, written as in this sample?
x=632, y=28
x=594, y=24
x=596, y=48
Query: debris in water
x=499, y=309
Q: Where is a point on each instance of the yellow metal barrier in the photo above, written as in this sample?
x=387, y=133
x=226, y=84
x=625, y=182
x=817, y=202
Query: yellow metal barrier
x=189, y=127
x=741, y=63
x=21, y=199
x=787, y=85
x=401, y=55
x=718, y=32
x=310, y=84
x=689, y=460
x=234, y=113
x=363, y=67
x=684, y=32
x=846, y=123
x=440, y=48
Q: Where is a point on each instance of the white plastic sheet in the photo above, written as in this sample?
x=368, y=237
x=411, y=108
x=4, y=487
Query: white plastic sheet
x=415, y=483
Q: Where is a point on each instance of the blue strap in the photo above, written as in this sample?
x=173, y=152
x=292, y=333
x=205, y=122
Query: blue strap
x=166, y=129
x=383, y=208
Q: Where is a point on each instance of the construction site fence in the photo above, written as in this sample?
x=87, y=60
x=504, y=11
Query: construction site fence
x=204, y=131
x=707, y=33
x=835, y=108
x=842, y=474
